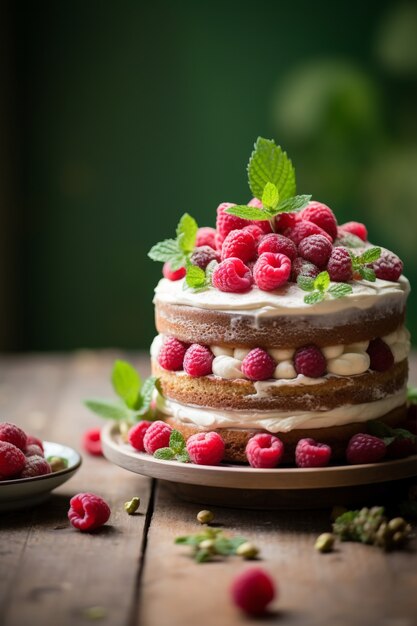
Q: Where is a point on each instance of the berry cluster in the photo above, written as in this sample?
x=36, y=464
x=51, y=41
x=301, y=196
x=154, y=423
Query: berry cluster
x=21, y=455
x=195, y=359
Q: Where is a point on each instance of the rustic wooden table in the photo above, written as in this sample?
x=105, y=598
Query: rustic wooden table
x=131, y=572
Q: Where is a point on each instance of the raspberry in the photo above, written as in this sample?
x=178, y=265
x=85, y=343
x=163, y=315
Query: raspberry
x=380, y=354
x=206, y=236
x=363, y=448
x=13, y=434
x=316, y=249
x=258, y=365
x=203, y=255
x=35, y=466
x=172, y=274
x=12, y=459
x=340, y=265
x=33, y=450
x=264, y=225
x=232, y=275
x=278, y=244
x=137, y=434
x=256, y=232
x=271, y=271
x=206, y=448
x=240, y=244
x=156, y=436
x=310, y=361
x=400, y=448
x=264, y=450
x=88, y=511
x=388, y=267
x=322, y=215
x=171, y=354
x=253, y=590
x=32, y=439
x=355, y=228
x=198, y=360
x=301, y=266
x=225, y=222
x=92, y=442
x=310, y=453
x=286, y=220
x=301, y=230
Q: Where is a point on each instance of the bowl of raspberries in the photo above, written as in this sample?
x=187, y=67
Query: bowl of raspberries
x=30, y=468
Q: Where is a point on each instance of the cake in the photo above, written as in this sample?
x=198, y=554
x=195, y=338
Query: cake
x=279, y=321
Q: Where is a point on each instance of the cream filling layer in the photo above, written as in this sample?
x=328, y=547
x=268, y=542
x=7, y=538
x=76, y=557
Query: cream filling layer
x=280, y=421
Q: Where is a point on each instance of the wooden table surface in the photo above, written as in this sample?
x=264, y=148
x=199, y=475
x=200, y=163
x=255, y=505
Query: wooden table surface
x=131, y=572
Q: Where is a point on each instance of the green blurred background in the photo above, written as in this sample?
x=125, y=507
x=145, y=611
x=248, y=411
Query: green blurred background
x=116, y=117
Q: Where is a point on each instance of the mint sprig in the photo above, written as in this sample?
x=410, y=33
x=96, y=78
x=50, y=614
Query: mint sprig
x=198, y=279
x=388, y=434
x=320, y=286
x=360, y=262
x=176, y=451
x=177, y=251
x=211, y=544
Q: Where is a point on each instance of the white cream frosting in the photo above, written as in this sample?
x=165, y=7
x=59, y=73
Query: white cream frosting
x=227, y=367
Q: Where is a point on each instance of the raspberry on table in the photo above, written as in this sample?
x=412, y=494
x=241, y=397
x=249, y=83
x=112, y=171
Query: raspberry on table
x=286, y=220
x=240, y=244
x=320, y=214
x=203, y=255
x=157, y=436
x=316, y=249
x=33, y=450
x=258, y=365
x=167, y=272
x=253, y=590
x=380, y=354
x=303, y=267
x=32, y=439
x=233, y=276
x=35, y=466
x=301, y=230
x=310, y=453
x=13, y=434
x=198, y=360
x=88, y=511
x=340, y=265
x=12, y=459
x=171, y=354
x=271, y=271
x=355, y=228
x=206, y=448
x=264, y=451
x=91, y=441
x=278, y=244
x=225, y=222
x=310, y=361
x=137, y=433
x=363, y=448
x=206, y=236
x=388, y=267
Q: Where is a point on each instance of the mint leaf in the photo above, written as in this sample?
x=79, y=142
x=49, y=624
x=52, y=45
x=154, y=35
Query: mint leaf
x=270, y=164
x=247, y=212
x=195, y=276
x=306, y=283
x=183, y=457
x=187, y=233
x=322, y=281
x=367, y=273
x=126, y=382
x=378, y=429
x=292, y=205
x=176, y=442
x=412, y=395
x=270, y=196
x=340, y=290
x=369, y=256
x=109, y=409
x=314, y=297
x=164, y=250
x=146, y=395
x=209, y=271
x=164, y=454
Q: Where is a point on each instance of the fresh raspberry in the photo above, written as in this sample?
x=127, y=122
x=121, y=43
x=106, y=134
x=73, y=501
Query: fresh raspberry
x=264, y=225
x=256, y=232
x=388, y=267
x=310, y=361
x=88, y=511
x=303, y=267
x=171, y=354
x=355, y=228
x=363, y=448
x=156, y=436
x=206, y=448
x=232, y=275
x=278, y=244
x=137, y=434
x=198, y=360
x=35, y=466
x=12, y=459
x=206, y=236
x=310, y=453
x=203, y=255
x=286, y=220
x=340, y=265
x=402, y=447
x=380, y=354
x=240, y=244
x=92, y=442
x=253, y=590
x=33, y=450
x=322, y=215
x=271, y=271
x=13, y=434
x=305, y=229
x=172, y=274
x=225, y=222
x=258, y=365
x=32, y=439
x=316, y=249
x=264, y=450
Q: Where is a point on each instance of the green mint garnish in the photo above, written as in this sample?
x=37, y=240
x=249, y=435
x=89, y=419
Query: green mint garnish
x=360, y=262
x=176, y=451
x=197, y=279
x=388, y=434
x=177, y=251
x=211, y=544
x=320, y=286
